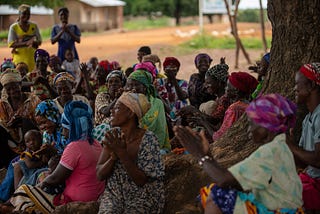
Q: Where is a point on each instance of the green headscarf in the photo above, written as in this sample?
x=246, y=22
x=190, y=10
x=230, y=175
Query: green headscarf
x=146, y=79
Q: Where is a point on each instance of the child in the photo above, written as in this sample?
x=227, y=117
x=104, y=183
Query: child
x=52, y=164
x=28, y=162
x=71, y=64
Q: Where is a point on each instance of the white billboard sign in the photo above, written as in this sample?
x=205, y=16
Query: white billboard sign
x=214, y=7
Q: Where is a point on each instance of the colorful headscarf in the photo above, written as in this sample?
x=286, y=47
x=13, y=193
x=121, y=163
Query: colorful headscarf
x=7, y=63
x=49, y=110
x=41, y=52
x=202, y=55
x=77, y=118
x=106, y=65
x=266, y=57
x=273, y=112
x=119, y=74
x=219, y=72
x=147, y=66
x=23, y=7
x=243, y=82
x=63, y=76
x=9, y=75
x=145, y=78
x=171, y=61
x=137, y=103
x=311, y=71
x=115, y=65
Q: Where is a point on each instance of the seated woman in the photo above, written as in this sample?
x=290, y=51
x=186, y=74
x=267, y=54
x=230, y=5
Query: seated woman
x=154, y=120
x=76, y=168
x=262, y=70
x=48, y=120
x=196, y=89
x=64, y=83
x=130, y=161
x=41, y=78
x=105, y=101
x=173, y=91
x=266, y=181
x=16, y=113
x=215, y=83
x=240, y=85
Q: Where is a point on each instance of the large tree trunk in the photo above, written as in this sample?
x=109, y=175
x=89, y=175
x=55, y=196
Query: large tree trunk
x=295, y=41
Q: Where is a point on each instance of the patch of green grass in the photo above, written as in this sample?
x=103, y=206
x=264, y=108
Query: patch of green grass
x=45, y=33
x=141, y=24
x=207, y=41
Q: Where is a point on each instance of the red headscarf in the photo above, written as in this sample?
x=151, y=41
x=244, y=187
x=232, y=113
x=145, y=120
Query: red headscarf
x=311, y=71
x=171, y=61
x=243, y=81
x=106, y=65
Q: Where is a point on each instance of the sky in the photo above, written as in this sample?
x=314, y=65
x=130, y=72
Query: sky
x=248, y=4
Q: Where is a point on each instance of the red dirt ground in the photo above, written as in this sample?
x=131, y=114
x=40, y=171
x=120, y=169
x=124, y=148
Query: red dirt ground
x=122, y=45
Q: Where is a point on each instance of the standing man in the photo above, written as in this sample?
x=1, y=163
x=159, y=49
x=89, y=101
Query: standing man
x=24, y=38
x=65, y=34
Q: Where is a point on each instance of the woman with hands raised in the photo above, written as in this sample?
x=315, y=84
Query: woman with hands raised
x=264, y=182
x=130, y=161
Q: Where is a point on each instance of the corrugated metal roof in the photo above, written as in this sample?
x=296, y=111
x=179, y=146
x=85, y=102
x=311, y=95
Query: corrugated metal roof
x=37, y=10
x=103, y=3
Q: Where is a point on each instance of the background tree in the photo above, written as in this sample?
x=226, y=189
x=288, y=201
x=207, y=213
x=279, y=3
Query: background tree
x=234, y=30
x=295, y=41
x=45, y=3
x=263, y=31
x=171, y=8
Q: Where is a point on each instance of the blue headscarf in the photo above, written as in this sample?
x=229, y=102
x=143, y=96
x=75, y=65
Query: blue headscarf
x=49, y=110
x=77, y=118
x=267, y=57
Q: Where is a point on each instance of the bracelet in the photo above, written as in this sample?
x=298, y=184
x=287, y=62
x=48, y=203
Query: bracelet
x=204, y=159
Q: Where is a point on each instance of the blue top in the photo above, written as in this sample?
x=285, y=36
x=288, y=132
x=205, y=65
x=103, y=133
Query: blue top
x=66, y=41
x=310, y=137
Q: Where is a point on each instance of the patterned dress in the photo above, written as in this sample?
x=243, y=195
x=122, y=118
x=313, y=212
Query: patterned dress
x=233, y=113
x=25, y=111
x=41, y=90
x=122, y=195
x=196, y=90
x=102, y=100
x=170, y=95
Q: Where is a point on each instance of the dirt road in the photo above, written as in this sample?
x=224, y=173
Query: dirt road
x=122, y=45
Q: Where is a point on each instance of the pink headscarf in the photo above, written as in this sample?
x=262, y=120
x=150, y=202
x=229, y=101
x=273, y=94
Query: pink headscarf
x=147, y=66
x=273, y=112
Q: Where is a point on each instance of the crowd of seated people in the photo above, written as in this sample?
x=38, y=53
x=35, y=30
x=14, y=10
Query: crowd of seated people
x=89, y=131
